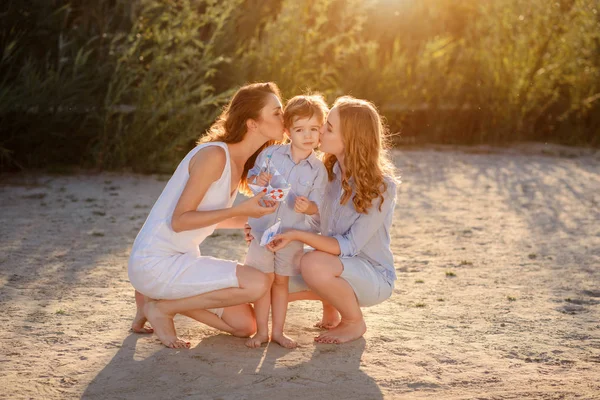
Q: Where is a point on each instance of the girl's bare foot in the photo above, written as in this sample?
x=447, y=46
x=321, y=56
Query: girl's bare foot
x=331, y=318
x=164, y=327
x=345, y=332
x=284, y=341
x=257, y=340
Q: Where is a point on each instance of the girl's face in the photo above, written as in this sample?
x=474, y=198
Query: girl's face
x=331, y=134
x=270, y=123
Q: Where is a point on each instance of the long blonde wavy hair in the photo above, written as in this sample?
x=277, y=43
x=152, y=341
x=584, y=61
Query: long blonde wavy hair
x=230, y=126
x=366, y=159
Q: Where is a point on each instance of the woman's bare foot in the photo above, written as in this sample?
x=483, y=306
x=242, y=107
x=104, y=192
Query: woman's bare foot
x=138, y=323
x=257, y=340
x=343, y=333
x=284, y=341
x=331, y=318
x=164, y=327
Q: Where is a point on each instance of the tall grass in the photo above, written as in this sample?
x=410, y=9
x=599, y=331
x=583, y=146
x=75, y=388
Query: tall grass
x=115, y=83
x=162, y=93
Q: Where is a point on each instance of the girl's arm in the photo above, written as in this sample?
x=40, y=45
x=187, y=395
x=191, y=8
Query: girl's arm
x=205, y=168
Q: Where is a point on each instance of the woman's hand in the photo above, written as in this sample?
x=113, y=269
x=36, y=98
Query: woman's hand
x=281, y=240
x=252, y=207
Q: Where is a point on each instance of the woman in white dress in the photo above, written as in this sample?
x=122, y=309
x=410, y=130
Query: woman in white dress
x=166, y=268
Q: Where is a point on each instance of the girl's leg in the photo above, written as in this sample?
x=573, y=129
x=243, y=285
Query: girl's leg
x=140, y=319
x=236, y=320
x=279, y=303
x=321, y=272
x=261, y=308
x=252, y=285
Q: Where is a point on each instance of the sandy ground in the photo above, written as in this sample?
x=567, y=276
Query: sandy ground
x=498, y=296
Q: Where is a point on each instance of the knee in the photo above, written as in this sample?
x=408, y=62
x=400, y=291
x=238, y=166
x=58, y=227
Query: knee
x=246, y=330
x=261, y=282
x=312, y=268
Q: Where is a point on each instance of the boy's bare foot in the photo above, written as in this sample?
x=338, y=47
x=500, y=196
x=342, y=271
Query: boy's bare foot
x=164, y=327
x=284, y=341
x=257, y=340
x=344, y=332
x=331, y=318
x=138, y=323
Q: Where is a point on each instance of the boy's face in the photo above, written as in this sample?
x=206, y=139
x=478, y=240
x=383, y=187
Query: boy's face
x=304, y=133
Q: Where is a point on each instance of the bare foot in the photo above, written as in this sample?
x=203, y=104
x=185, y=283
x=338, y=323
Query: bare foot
x=343, y=333
x=257, y=340
x=284, y=341
x=138, y=323
x=331, y=318
x=164, y=327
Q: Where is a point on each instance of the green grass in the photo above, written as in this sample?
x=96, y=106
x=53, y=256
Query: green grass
x=511, y=298
x=419, y=281
x=450, y=274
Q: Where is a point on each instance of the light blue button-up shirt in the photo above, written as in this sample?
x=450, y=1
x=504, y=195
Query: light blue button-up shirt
x=308, y=178
x=360, y=235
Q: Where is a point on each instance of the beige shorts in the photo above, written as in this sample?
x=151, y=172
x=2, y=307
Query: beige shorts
x=285, y=262
x=370, y=287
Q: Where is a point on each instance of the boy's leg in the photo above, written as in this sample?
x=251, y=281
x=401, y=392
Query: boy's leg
x=261, y=310
x=279, y=302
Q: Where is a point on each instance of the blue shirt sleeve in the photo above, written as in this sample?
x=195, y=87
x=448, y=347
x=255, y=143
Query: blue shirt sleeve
x=367, y=225
x=316, y=195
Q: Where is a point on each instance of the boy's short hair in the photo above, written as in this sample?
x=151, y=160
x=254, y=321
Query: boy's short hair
x=305, y=106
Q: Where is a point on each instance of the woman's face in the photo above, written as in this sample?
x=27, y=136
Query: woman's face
x=270, y=123
x=331, y=134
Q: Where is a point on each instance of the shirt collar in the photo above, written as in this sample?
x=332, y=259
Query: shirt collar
x=312, y=159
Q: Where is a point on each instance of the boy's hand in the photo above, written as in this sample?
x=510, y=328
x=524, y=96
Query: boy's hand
x=263, y=179
x=304, y=205
x=247, y=235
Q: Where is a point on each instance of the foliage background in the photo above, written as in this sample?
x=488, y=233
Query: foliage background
x=132, y=84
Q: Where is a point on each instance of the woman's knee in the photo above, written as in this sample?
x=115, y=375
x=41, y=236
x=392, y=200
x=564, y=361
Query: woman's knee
x=241, y=320
x=316, y=266
x=254, y=281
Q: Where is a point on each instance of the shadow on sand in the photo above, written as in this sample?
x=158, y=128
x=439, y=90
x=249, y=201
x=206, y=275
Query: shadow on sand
x=221, y=367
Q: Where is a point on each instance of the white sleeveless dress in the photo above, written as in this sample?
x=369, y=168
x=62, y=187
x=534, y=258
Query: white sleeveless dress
x=168, y=265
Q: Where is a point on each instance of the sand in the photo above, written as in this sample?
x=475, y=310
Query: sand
x=498, y=293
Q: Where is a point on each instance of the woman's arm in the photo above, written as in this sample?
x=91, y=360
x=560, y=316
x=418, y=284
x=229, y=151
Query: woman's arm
x=205, y=168
x=318, y=242
x=233, y=223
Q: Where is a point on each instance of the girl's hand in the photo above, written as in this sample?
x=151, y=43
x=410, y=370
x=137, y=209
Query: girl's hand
x=263, y=179
x=252, y=207
x=247, y=236
x=280, y=241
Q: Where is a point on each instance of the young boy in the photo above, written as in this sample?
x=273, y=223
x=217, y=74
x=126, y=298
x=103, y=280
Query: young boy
x=297, y=163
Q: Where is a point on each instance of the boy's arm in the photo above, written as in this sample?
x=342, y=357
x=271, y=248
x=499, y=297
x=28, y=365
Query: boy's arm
x=316, y=196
